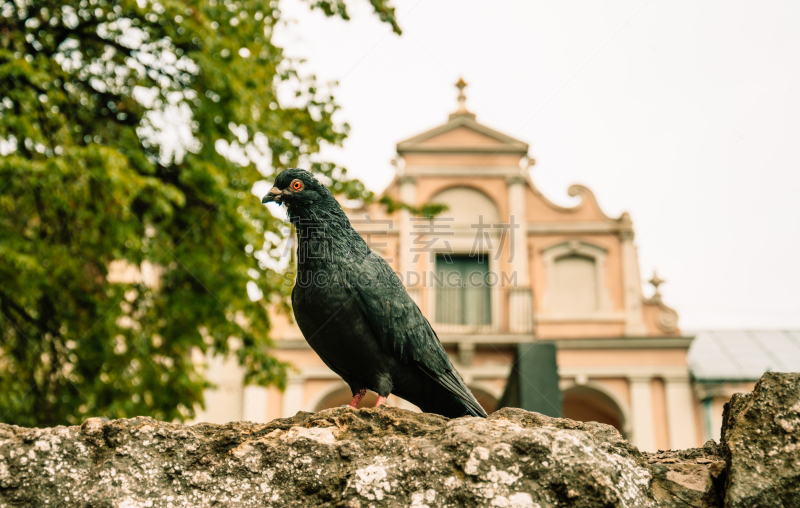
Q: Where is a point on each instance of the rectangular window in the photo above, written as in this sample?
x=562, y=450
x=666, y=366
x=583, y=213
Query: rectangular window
x=462, y=292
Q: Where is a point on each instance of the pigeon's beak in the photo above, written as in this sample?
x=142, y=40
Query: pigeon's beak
x=273, y=196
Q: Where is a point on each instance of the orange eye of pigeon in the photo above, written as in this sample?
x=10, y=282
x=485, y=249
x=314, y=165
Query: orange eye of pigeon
x=297, y=185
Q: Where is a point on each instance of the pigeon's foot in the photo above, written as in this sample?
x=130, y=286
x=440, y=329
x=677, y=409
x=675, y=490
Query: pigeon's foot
x=381, y=401
x=357, y=397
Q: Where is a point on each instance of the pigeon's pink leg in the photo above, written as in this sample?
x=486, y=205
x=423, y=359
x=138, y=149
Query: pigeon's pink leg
x=381, y=401
x=357, y=397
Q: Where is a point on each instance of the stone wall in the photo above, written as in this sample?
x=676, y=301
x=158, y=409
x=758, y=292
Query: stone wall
x=391, y=457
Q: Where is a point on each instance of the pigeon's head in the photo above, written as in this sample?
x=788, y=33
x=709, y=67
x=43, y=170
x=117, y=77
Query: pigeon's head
x=299, y=191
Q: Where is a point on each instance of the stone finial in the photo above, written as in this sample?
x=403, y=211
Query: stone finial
x=656, y=281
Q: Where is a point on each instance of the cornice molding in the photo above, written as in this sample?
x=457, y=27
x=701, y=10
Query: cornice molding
x=516, y=180
x=635, y=373
x=512, y=339
x=626, y=343
x=461, y=171
x=549, y=228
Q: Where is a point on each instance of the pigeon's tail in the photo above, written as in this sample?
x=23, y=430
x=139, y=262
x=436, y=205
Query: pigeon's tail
x=471, y=411
x=453, y=383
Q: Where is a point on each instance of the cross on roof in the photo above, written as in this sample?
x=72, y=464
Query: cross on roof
x=462, y=99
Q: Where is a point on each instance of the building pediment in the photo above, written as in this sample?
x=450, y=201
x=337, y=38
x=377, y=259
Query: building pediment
x=462, y=134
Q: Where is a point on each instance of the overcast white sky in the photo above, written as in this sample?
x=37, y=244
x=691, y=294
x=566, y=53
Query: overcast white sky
x=685, y=114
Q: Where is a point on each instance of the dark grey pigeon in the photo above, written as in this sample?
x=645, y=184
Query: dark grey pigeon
x=355, y=313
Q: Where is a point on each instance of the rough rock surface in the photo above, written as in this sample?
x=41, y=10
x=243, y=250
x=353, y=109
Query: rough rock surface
x=761, y=441
x=391, y=457
x=381, y=457
x=693, y=477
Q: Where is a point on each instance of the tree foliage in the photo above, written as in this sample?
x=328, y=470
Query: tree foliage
x=113, y=120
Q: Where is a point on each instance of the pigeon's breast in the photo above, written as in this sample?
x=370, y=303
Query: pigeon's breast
x=335, y=327
x=327, y=312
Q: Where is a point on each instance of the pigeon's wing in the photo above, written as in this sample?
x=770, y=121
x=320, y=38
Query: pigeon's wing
x=401, y=328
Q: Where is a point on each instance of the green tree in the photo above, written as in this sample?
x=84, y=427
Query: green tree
x=113, y=116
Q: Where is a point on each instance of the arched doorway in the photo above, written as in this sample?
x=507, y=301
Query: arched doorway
x=342, y=397
x=487, y=401
x=587, y=404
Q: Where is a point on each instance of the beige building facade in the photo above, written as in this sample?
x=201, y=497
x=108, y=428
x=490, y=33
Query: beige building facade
x=505, y=266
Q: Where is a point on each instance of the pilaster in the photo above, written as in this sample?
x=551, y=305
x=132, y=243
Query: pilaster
x=293, y=396
x=642, y=413
x=516, y=208
x=680, y=413
x=520, y=304
x=408, y=195
x=254, y=408
x=632, y=285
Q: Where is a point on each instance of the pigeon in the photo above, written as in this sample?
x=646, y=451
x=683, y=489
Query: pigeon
x=356, y=314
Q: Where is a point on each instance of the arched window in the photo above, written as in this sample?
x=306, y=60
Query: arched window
x=463, y=297
x=574, y=285
x=465, y=206
x=575, y=281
